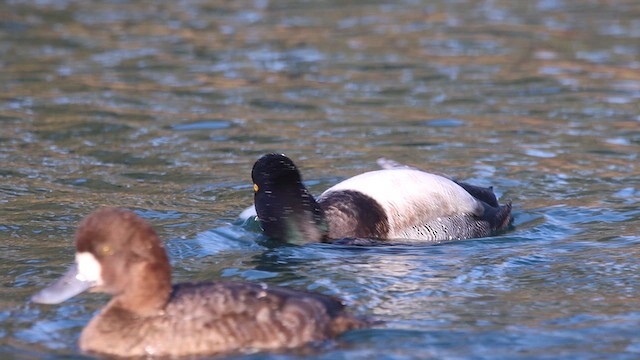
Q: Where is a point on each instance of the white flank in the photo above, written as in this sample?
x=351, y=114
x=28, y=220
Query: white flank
x=411, y=197
x=89, y=268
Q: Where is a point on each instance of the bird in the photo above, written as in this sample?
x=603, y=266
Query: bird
x=396, y=203
x=119, y=253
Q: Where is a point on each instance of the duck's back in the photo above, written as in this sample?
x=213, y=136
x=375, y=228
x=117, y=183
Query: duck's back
x=218, y=318
x=408, y=198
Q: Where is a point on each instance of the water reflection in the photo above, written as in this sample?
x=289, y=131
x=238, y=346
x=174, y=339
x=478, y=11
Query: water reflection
x=162, y=107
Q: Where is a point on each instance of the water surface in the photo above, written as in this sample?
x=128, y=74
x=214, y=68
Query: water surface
x=162, y=107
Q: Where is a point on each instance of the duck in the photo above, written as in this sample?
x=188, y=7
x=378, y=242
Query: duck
x=395, y=203
x=119, y=253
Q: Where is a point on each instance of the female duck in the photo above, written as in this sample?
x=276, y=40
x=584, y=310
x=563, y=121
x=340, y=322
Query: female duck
x=120, y=254
x=398, y=202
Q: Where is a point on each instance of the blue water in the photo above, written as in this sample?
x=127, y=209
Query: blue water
x=162, y=108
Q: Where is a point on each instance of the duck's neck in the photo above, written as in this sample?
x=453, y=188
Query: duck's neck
x=148, y=291
x=291, y=215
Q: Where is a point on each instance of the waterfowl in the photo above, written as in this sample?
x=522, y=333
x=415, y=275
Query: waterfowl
x=397, y=202
x=120, y=254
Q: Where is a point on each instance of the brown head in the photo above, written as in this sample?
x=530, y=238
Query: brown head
x=118, y=253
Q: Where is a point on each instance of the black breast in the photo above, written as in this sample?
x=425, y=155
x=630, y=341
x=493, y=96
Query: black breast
x=351, y=213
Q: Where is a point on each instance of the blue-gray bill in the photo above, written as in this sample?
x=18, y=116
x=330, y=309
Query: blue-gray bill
x=64, y=288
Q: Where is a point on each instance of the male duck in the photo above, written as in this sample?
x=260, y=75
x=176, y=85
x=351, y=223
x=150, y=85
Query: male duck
x=120, y=254
x=398, y=202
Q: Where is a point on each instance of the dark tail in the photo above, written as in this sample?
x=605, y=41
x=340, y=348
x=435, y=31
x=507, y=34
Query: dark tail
x=346, y=322
x=485, y=194
x=501, y=217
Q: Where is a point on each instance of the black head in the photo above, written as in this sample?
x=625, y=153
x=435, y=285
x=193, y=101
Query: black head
x=285, y=208
x=275, y=169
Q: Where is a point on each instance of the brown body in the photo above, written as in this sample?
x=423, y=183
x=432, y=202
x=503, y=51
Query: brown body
x=216, y=318
x=148, y=316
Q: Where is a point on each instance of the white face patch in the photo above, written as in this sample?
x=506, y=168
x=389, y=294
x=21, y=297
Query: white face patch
x=89, y=268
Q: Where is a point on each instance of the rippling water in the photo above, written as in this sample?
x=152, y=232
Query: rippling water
x=162, y=107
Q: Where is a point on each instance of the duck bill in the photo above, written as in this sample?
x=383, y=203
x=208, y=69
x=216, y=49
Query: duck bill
x=68, y=286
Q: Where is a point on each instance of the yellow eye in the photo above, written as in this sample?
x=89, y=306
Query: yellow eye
x=255, y=187
x=106, y=250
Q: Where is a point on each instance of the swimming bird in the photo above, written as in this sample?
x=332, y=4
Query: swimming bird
x=396, y=203
x=119, y=253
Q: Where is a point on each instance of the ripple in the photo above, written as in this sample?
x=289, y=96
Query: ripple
x=539, y=153
x=166, y=113
x=282, y=105
x=203, y=125
x=444, y=123
x=228, y=238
